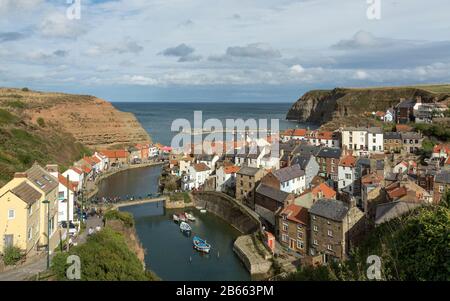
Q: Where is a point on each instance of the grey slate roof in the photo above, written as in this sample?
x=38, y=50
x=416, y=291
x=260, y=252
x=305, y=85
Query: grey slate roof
x=392, y=135
x=248, y=171
x=406, y=103
x=272, y=193
x=374, y=130
x=306, y=149
x=41, y=178
x=330, y=209
x=289, y=173
x=26, y=193
x=443, y=177
x=411, y=135
x=388, y=211
x=301, y=160
x=328, y=152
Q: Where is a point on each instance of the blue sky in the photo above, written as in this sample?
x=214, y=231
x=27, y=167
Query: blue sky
x=222, y=50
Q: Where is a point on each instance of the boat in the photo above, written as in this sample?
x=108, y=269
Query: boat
x=185, y=227
x=190, y=217
x=182, y=217
x=201, y=245
x=176, y=218
x=203, y=211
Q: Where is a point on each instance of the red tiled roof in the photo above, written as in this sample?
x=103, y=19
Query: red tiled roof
x=89, y=160
x=439, y=147
x=113, y=154
x=380, y=114
x=296, y=214
x=231, y=169
x=397, y=192
x=86, y=169
x=325, y=135
x=348, y=161
x=403, y=128
x=95, y=159
x=63, y=180
x=327, y=191
x=77, y=170
x=299, y=132
x=200, y=167
x=448, y=161
x=288, y=132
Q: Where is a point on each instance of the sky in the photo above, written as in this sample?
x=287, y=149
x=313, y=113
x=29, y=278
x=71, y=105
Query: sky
x=221, y=50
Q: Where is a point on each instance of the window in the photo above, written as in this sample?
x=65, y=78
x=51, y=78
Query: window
x=285, y=227
x=313, y=217
x=330, y=233
x=284, y=217
x=348, y=176
x=11, y=214
x=315, y=228
x=329, y=248
x=284, y=237
x=441, y=188
x=300, y=244
x=299, y=234
x=315, y=242
x=30, y=210
x=30, y=233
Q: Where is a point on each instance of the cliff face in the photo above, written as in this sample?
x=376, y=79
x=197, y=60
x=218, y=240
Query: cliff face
x=322, y=106
x=92, y=121
x=58, y=128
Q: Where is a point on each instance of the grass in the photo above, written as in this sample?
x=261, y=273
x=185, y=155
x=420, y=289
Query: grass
x=7, y=118
x=180, y=196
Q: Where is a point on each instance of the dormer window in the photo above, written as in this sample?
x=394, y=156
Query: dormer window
x=39, y=183
x=46, y=178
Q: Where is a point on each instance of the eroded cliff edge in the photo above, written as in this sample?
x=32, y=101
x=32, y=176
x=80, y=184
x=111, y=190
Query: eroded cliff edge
x=93, y=122
x=343, y=104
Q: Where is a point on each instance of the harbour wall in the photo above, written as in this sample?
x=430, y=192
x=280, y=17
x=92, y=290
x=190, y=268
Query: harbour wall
x=228, y=209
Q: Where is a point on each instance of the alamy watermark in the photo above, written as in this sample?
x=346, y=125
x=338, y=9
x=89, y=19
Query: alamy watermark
x=213, y=137
x=73, y=272
x=374, y=269
x=73, y=12
x=374, y=10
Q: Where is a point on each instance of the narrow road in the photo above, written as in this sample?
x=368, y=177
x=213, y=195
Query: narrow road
x=38, y=265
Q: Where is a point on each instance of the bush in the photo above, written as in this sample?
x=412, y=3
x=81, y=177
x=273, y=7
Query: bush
x=104, y=257
x=41, y=122
x=12, y=255
x=125, y=217
x=25, y=89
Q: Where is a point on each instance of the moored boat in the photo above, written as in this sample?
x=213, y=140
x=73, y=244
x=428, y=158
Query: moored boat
x=201, y=245
x=176, y=218
x=190, y=217
x=182, y=217
x=203, y=211
x=185, y=227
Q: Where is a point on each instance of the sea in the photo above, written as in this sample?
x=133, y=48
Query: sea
x=157, y=117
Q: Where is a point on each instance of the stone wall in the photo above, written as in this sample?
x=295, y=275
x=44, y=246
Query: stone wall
x=228, y=209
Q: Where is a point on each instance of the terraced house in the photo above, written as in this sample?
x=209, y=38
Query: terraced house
x=24, y=216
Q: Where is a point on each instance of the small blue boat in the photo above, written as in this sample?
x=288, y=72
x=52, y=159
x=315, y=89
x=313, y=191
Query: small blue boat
x=201, y=245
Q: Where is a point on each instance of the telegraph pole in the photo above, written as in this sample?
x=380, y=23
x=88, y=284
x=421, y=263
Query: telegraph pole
x=48, y=232
x=68, y=214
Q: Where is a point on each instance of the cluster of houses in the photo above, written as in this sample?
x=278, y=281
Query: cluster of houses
x=412, y=110
x=323, y=191
x=42, y=197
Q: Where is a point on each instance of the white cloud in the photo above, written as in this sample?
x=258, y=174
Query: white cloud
x=361, y=74
x=57, y=25
x=297, y=69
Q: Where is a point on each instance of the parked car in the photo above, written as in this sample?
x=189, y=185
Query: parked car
x=72, y=227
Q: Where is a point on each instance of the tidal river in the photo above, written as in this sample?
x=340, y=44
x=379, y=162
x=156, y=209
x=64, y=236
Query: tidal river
x=169, y=252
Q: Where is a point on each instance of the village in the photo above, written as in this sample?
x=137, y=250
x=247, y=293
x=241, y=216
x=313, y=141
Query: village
x=41, y=203
x=318, y=195
x=325, y=190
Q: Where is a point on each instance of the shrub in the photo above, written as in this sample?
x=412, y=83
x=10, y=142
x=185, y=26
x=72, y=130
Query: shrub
x=41, y=122
x=125, y=217
x=104, y=257
x=12, y=255
x=25, y=89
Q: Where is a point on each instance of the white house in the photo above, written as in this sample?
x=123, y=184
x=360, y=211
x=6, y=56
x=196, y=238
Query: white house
x=375, y=141
x=63, y=197
x=363, y=140
x=389, y=116
x=401, y=167
x=208, y=160
x=75, y=175
x=354, y=138
x=346, y=174
x=323, y=138
x=195, y=177
x=226, y=177
x=292, y=179
x=104, y=161
x=270, y=161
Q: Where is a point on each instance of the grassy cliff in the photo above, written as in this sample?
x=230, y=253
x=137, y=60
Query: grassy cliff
x=23, y=142
x=347, y=106
x=58, y=128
